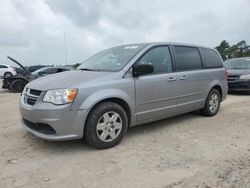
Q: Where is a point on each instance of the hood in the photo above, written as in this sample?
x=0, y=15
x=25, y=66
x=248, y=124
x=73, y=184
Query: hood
x=69, y=79
x=238, y=72
x=19, y=64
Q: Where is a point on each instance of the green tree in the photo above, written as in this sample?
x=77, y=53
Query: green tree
x=223, y=49
x=241, y=49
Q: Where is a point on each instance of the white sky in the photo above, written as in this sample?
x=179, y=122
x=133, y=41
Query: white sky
x=32, y=31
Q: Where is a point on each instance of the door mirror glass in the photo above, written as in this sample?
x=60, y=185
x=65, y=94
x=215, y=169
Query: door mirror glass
x=143, y=69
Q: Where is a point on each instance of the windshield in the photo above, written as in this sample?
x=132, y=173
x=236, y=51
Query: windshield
x=237, y=63
x=113, y=59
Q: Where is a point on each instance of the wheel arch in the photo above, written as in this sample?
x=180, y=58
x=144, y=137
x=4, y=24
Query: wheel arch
x=213, y=85
x=219, y=88
x=7, y=73
x=118, y=101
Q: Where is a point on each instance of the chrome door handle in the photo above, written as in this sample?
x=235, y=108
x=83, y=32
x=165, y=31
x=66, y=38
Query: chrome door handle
x=183, y=78
x=171, y=79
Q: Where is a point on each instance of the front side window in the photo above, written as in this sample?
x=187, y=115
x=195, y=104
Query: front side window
x=111, y=60
x=160, y=58
x=187, y=58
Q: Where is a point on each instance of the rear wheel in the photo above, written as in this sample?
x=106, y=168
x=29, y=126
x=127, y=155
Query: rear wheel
x=106, y=125
x=18, y=85
x=7, y=74
x=212, y=105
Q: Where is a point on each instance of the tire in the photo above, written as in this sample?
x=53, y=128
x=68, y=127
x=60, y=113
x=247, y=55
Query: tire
x=7, y=74
x=18, y=85
x=106, y=125
x=6, y=83
x=212, y=104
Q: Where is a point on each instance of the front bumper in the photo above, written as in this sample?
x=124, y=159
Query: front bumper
x=53, y=122
x=239, y=85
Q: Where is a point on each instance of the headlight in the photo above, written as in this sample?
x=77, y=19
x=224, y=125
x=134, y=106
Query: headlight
x=245, y=77
x=60, y=96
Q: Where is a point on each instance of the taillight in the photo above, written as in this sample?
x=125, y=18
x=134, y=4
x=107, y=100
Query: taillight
x=226, y=74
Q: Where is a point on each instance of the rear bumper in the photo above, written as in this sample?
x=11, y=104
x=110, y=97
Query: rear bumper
x=239, y=85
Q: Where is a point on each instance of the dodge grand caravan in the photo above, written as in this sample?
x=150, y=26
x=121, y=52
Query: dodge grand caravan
x=122, y=87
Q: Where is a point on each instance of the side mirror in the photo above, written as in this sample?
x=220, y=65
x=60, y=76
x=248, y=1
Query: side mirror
x=142, y=69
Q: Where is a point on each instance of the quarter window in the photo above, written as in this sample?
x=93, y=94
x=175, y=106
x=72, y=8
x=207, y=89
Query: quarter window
x=187, y=58
x=160, y=58
x=211, y=58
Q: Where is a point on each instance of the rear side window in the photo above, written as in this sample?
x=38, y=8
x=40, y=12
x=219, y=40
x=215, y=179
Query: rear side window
x=211, y=59
x=187, y=58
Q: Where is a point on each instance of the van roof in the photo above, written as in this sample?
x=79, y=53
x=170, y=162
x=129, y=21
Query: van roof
x=166, y=43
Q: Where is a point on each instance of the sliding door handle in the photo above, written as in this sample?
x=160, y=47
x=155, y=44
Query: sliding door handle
x=183, y=78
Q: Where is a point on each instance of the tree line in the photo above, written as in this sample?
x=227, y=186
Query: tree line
x=227, y=51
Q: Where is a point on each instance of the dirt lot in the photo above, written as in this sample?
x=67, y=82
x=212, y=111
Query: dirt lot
x=186, y=151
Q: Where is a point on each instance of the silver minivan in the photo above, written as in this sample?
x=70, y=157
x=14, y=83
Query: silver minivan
x=122, y=87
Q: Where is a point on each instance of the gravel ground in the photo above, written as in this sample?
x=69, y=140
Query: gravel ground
x=185, y=151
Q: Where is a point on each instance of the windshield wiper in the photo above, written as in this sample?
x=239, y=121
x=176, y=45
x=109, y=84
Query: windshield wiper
x=85, y=69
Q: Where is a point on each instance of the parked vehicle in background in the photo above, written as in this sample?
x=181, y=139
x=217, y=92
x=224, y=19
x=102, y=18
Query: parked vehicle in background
x=6, y=70
x=122, y=87
x=238, y=74
x=35, y=67
x=48, y=70
x=17, y=83
x=20, y=71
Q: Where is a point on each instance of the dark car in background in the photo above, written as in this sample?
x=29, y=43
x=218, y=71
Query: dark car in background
x=17, y=82
x=36, y=67
x=238, y=74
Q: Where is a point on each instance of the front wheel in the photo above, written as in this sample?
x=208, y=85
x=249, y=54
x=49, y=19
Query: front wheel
x=18, y=85
x=212, y=104
x=106, y=125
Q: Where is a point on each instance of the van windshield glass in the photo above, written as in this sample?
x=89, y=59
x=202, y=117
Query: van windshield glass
x=111, y=60
x=237, y=64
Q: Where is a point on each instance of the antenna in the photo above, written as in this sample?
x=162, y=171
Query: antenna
x=65, y=48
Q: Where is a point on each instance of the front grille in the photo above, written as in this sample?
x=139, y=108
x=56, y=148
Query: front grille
x=31, y=96
x=35, y=92
x=232, y=78
x=31, y=101
x=40, y=127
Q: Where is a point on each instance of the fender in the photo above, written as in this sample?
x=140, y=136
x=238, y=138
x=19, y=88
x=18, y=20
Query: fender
x=98, y=96
x=105, y=94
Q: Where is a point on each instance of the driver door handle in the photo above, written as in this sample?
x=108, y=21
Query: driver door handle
x=171, y=79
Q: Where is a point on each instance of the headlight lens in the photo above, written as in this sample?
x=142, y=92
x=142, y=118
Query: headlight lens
x=245, y=77
x=60, y=96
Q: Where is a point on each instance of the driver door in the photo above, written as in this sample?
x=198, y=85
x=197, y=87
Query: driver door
x=156, y=93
